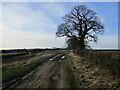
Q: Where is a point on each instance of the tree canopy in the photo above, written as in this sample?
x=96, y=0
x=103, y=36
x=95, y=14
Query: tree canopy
x=80, y=26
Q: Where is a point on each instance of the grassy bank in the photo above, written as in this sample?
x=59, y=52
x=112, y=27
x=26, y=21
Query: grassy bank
x=22, y=69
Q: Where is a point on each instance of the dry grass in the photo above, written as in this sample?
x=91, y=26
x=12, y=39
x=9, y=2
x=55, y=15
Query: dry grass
x=104, y=59
x=97, y=69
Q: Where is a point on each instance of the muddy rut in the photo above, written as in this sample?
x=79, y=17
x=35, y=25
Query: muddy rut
x=45, y=76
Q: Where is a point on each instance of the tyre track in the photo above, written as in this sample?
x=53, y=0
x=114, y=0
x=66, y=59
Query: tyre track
x=41, y=77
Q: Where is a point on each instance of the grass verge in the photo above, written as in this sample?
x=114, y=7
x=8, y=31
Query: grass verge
x=73, y=80
x=68, y=71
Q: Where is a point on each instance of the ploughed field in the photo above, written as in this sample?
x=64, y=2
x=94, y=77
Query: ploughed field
x=32, y=70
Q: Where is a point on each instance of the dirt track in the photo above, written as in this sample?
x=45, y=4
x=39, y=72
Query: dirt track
x=45, y=76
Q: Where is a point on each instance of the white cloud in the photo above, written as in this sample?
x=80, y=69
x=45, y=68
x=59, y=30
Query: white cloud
x=0, y=21
x=106, y=42
x=16, y=16
x=24, y=27
x=54, y=9
x=24, y=39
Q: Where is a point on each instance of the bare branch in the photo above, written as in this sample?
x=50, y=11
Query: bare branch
x=81, y=23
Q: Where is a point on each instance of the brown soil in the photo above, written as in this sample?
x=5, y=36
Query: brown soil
x=45, y=76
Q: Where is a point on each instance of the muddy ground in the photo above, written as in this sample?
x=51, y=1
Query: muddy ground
x=12, y=61
x=46, y=75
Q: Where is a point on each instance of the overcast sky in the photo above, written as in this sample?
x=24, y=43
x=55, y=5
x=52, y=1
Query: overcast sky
x=33, y=24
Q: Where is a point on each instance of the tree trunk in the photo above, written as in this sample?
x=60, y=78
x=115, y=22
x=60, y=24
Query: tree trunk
x=81, y=43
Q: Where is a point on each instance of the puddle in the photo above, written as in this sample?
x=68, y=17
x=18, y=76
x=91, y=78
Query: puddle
x=59, y=61
x=62, y=57
x=54, y=57
x=56, y=77
x=51, y=59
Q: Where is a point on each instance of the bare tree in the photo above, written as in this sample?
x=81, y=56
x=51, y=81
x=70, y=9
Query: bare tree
x=80, y=26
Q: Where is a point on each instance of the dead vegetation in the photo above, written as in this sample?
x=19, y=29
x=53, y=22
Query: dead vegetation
x=96, y=69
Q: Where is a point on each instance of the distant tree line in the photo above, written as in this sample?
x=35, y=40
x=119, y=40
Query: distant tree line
x=30, y=50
